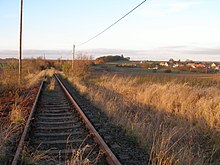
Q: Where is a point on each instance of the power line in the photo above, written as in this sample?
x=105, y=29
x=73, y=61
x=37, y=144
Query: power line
x=112, y=24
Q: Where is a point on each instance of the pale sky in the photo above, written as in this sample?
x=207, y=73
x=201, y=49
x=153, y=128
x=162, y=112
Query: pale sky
x=158, y=30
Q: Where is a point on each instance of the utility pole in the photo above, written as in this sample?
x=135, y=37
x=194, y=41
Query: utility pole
x=73, y=55
x=61, y=63
x=20, y=46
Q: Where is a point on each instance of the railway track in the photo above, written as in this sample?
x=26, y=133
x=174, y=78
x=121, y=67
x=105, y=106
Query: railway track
x=120, y=142
x=58, y=132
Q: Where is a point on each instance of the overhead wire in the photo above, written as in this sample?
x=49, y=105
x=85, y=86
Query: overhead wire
x=97, y=35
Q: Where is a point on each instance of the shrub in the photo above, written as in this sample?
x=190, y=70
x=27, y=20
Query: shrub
x=66, y=67
x=167, y=71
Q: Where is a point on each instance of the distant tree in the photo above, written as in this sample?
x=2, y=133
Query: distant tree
x=171, y=60
x=105, y=59
x=168, y=70
x=189, y=61
x=128, y=58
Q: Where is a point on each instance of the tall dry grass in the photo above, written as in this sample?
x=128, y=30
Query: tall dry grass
x=81, y=67
x=34, y=79
x=8, y=134
x=175, y=123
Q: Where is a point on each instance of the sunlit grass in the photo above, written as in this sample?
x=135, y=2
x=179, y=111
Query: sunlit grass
x=189, y=113
x=51, y=86
x=16, y=115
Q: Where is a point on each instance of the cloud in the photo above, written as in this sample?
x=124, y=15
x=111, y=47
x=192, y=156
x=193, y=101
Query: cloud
x=182, y=52
x=50, y=54
x=192, y=50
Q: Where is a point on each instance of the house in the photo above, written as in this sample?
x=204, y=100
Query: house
x=171, y=61
x=154, y=68
x=191, y=64
x=217, y=67
x=162, y=63
x=213, y=65
x=200, y=65
x=166, y=64
x=181, y=65
x=175, y=65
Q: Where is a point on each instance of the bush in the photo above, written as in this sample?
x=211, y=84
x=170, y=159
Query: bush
x=66, y=67
x=81, y=68
x=167, y=71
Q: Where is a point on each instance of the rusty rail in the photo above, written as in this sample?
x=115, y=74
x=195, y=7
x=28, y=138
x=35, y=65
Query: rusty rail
x=24, y=134
x=111, y=158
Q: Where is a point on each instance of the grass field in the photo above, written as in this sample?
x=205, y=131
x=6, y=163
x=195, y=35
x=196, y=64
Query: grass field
x=174, y=117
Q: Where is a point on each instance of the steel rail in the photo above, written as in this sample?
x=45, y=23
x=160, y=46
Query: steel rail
x=27, y=126
x=111, y=158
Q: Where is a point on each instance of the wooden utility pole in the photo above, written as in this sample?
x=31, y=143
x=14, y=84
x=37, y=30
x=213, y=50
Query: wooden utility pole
x=61, y=63
x=73, y=55
x=20, y=44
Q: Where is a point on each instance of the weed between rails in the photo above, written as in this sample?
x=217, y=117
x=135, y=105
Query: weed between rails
x=72, y=156
x=83, y=155
x=79, y=156
x=28, y=157
x=51, y=86
x=190, y=116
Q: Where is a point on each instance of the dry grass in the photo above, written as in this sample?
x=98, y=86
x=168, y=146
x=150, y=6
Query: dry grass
x=167, y=149
x=8, y=134
x=82, y=157
x=200, y=106
x=15, y=104
x=33, y=79
x=12, y=121
x=190, y=116
x=73, y=156
x=29, y=157
x=79, y=156
x=16, y=115
x=51, y=86
x=81, y=67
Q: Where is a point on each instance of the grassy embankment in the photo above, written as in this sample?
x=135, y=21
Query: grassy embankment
x=16, y=101
x=176, y=119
